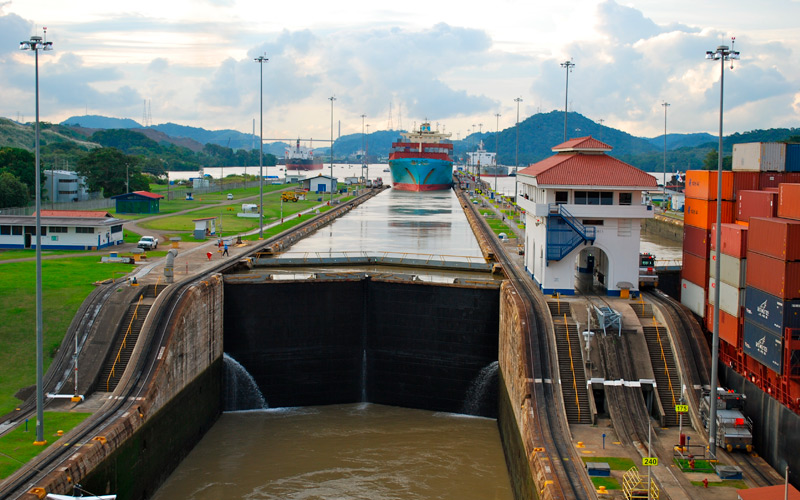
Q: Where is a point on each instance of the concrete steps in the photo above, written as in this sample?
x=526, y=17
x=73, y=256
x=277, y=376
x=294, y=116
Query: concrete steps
x=570, y=364
x=643, y=310
x=664, y=370
x=113, y=368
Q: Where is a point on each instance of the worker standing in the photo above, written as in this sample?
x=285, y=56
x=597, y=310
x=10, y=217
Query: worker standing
x=225, y=250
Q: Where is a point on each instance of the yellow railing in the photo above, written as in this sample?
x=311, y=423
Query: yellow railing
x=664, y=359
x=572, y=367
x=124, y=342
x=155, y=290
x=634, y=486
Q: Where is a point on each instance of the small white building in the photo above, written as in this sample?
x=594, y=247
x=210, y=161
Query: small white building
x=320, y=183
x=583, y=219
x=62, y=230
x=64, y=186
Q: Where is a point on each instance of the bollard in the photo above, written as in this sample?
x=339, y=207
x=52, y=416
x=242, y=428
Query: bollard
x=209, y=254
x=604, y=440
x=705, y=482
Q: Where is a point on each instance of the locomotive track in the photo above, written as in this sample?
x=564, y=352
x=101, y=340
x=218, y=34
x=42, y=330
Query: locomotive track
x=572, y=482
x=125, y=398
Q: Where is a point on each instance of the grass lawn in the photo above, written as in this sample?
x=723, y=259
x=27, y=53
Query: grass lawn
x=727, y=483
x=497, y=225
x=700, y=465
x=19, y=444
x=609, y=482
x=31, y=252
x=130, y=236
x=290, y=222
x=65, y=284
x=616, y=463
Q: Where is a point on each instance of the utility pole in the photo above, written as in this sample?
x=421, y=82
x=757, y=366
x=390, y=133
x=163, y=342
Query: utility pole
x=261, y=60
x=666, y=105
x=332, y=98
x=568, y=65
x=516, y=155
x=496, y=151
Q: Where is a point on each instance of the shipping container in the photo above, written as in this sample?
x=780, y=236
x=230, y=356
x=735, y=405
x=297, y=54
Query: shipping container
x=789, y=201
x=759, y=156
x=756, y=204
x=774, y=276
x=771, y=312
x=793, y=157
x=702, y=185
x=695, y=269
x=694, y=297
x=732, y=271
x=703, y=213
x=745, y=180
x=728, y=325
x=733, y=240
x=771, y=179
x=792, y=177
x=776, y=237
x=696, y=240
x=731, y=298
x=763, y=346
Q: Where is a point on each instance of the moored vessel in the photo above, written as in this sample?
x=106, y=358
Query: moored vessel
x=422, y=161
x=484, y=163
x=301, y=158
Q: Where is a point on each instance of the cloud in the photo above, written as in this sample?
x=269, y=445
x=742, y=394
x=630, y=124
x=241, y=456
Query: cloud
x=13, y=29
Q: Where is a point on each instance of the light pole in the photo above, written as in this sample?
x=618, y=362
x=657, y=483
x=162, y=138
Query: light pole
x=363, y=146
x=496, y=151
x=332, y=98
x=666, y=105
x=516, y=155
x=37, y=43
x=568, y=65
x=722, y=54
x=261, y=60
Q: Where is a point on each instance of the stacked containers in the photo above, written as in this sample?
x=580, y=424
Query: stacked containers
x=700, y=215
x=759, y=157
x=772, y=300
x=793, y=157
x=733, y=265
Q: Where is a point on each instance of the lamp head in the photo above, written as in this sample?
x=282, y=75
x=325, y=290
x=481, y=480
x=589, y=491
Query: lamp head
x=710, y=55
x=24, y=45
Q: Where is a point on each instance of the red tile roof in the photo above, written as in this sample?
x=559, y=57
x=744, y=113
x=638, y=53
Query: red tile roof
x=768, y=493
x=148, y=194
x=587, y=143
x=587, y=169
x=73, y=213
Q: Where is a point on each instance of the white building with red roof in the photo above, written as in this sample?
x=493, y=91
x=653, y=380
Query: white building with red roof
x=583, y=218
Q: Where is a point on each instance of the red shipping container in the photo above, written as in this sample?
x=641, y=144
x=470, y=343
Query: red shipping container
x=779, y=238
x=733, y=240
x=789, y=201
x=728, y=325
x=702, y=185
x=703, y=213
x=756, y=204
x=791, y=177
x=695, y=269
x=745, y=180
x=770, y=179
x=774, y=276
x=696, y=240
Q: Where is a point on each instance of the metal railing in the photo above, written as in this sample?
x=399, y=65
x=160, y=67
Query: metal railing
x=124, y=343
x=587, y=232
x=572, y=367
x=664, y=359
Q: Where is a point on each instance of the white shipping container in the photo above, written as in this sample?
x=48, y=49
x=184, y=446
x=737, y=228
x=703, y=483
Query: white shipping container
x=759, y=157
x=732, y=270
x=730, y=298
x=694, y=297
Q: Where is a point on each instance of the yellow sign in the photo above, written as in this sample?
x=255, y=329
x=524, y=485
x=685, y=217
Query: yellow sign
x=649, y=461
x=681, y=408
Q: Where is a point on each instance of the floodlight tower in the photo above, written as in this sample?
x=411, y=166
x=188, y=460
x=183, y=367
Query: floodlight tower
x=261, y=60
x=568, y=65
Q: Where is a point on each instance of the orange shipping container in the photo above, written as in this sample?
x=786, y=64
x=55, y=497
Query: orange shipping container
x=695, y=269
x=789, y=201
x=703, y=213
x=702, y=185
x=728, y=325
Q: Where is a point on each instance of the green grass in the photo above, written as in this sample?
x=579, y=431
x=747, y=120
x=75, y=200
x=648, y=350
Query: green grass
x=288, y=223
x=497, y=225
x=727, y=483
x=65, y=284
x=130, y=236
x=19, y=444
x=31, y=253
x=609, y=482
x=616, y=463
x=700, y=465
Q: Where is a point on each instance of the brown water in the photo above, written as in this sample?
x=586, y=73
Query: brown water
x=359, y=451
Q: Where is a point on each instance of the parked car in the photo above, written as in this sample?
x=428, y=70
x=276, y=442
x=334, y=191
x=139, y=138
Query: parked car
x=230, y=196
x=148, y=243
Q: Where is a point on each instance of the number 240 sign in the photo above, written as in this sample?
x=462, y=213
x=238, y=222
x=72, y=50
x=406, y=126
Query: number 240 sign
x=649, y=461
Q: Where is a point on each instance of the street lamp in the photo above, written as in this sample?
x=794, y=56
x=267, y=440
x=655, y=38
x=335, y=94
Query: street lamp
x=332, y=98
x=722, y=54
x=666, y=105
x=261, y=60
x=363, y=146
x=568, y=65
x=516, y=155
x=496, y=151
x=37, y=43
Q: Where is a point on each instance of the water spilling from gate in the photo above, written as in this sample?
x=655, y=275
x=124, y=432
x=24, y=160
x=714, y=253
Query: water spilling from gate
x=241, y=391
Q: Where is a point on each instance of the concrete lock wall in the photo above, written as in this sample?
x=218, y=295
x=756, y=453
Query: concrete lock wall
x=181, y=402
x=417, y=345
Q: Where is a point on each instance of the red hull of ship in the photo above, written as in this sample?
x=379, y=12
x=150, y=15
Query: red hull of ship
x=305, y=166
x=420, y=187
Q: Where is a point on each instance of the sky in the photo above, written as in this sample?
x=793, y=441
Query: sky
x=457, y=64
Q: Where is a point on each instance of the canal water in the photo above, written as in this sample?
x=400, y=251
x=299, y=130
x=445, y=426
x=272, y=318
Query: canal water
x=358, y=451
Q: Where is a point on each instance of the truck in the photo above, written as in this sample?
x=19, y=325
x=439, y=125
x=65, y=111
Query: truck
x=148, y=243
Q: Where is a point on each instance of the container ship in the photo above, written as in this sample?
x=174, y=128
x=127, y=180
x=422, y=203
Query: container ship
x=422, y=161
x=483, y=163
x=301, y=158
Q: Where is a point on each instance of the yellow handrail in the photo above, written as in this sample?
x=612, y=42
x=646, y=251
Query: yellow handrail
x=155, y=289
x=572, y=367
x=124, y=342
x=664, y=358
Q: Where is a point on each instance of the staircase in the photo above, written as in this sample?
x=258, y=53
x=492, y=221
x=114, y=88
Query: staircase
x=570, y=365
x=565, y=232
x=644, y=310
x=664, y=370
x=106, y=381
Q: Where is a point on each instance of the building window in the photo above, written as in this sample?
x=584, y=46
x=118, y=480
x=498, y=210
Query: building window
x=58, y=229
x=625, y=198
x=594, y=198
x=84, y=230
x=5, y=230
x=116, y=229
x=562, y=197
x=592, y=222
x=16, y=230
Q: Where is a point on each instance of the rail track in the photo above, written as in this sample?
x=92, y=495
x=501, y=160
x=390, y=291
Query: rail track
x=124, y=398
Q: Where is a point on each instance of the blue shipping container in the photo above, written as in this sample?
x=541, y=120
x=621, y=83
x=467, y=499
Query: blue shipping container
x=793, y=157
x=763, y=346
x=771, y=312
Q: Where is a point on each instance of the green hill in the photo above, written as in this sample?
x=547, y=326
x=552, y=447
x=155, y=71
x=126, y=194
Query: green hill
x=16, y=135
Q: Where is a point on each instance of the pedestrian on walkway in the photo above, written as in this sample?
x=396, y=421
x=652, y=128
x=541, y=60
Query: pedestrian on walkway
x=225, y=251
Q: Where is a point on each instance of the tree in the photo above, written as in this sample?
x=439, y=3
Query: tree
x=21, y=163
x=711, y=161
x=13, y=192
x=107, y=169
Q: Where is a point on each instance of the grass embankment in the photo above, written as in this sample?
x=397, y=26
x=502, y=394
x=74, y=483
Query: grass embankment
x=616, y=463
x=19, y=444
x=65, y=284
x=497, y=224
